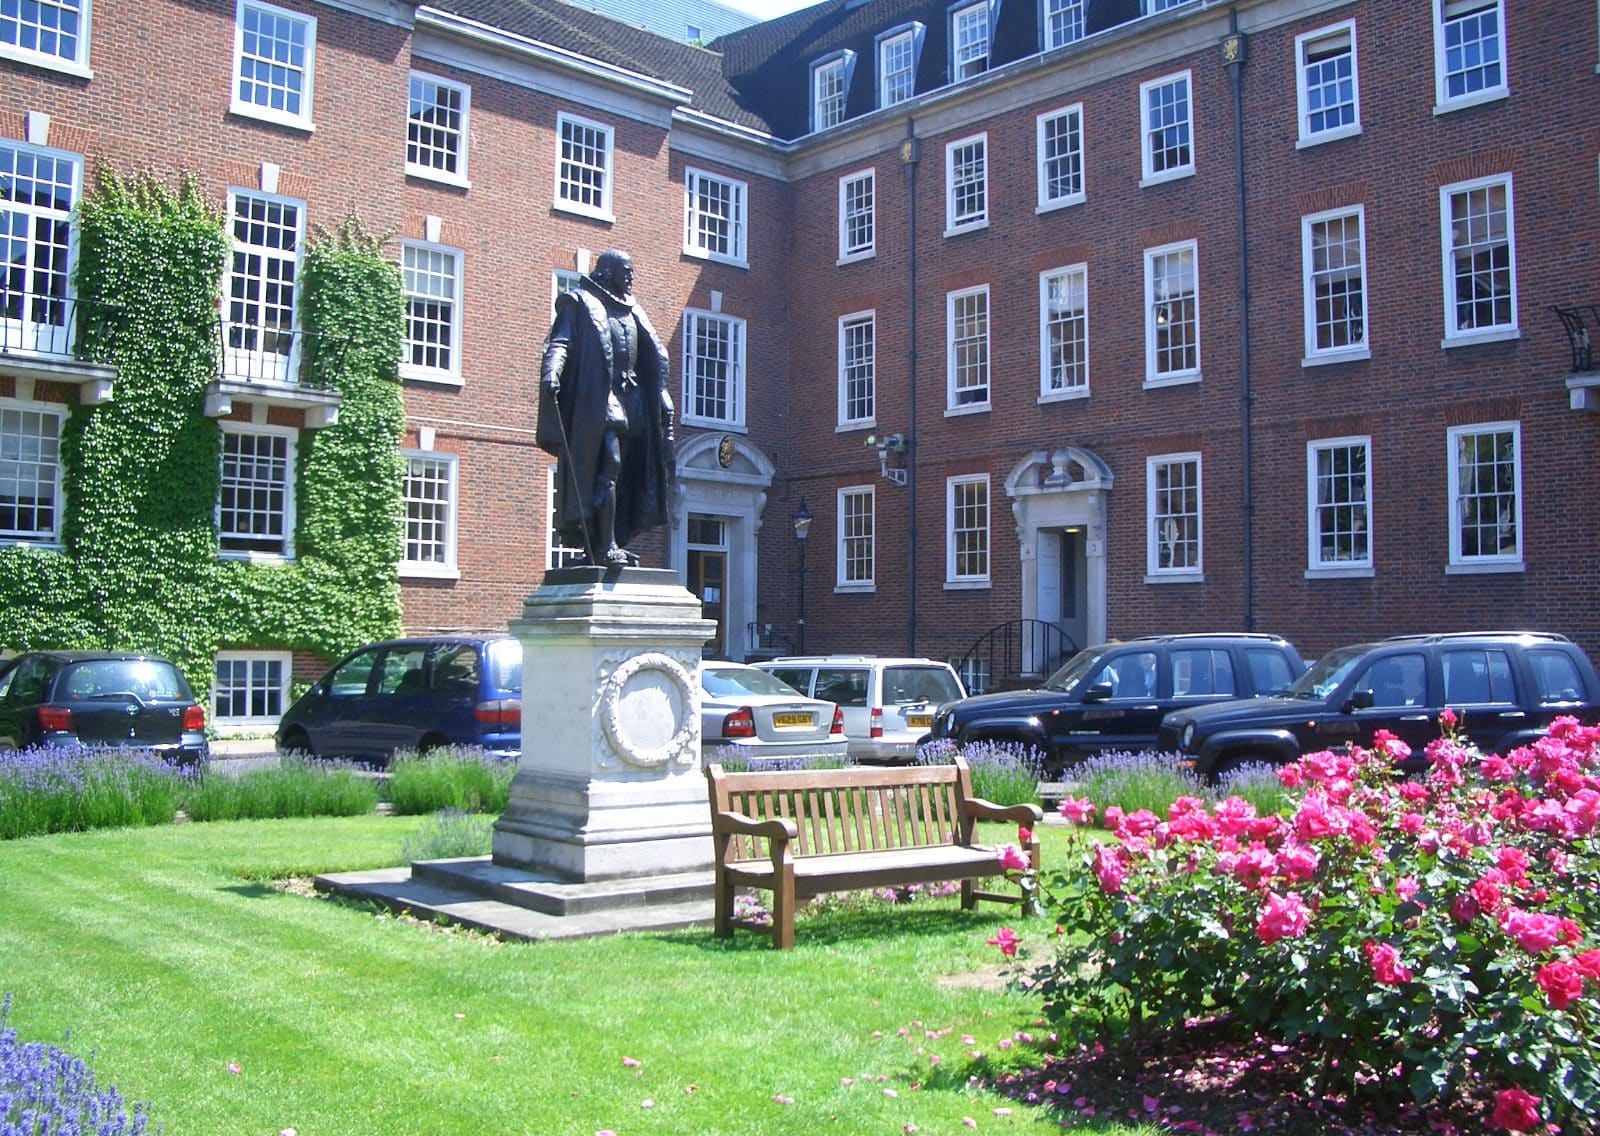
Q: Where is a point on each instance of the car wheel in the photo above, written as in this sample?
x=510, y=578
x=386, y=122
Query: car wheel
x=1236, y=761
x=432, y=742
x=297, y=742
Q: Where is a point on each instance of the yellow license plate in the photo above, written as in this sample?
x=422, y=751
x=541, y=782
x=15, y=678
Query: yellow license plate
x=789, y=720
x=918, y=721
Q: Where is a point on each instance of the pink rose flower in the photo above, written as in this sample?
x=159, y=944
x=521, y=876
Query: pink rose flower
x=1387, y=969
x=1561, y=982
x=1516, y=1110
x=1109, y=868
x=1390, y=746
x=1282, y=916
x=1533, y=932
x=1077, y=810
x=1006, y=940
x=1588, y=964
x=1012, y=858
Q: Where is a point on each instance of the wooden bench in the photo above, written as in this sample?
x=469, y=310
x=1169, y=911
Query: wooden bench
x=803, y=834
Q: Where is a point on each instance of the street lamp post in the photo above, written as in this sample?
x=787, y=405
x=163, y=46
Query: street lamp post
x=802, y=529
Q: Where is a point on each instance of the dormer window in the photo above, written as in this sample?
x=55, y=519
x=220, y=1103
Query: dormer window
x=830, y=84
x=897, y=64
x=969, y=40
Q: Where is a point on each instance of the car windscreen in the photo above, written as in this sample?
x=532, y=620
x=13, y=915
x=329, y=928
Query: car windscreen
x=1072, y=671
x=505, y=665
x=903, y=685
x=731, y=682
x=1326, y=673
x=147, y=679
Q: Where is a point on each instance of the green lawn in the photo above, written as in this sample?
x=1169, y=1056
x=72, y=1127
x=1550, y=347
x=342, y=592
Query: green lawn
x=189, y=981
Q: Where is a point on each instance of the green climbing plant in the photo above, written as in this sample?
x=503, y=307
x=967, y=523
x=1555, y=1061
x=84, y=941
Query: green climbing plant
x=138, y=565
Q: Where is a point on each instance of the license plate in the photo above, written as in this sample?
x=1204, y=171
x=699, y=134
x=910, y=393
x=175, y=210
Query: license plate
x=918, y=721
x=786, y=721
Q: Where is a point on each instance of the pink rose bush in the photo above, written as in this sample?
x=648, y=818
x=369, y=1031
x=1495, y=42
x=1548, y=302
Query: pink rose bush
x=1426, y=934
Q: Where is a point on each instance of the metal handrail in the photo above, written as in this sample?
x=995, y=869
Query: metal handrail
x=45, y=326
x=292, y=356
x=1580, y=337
x=1020, y=649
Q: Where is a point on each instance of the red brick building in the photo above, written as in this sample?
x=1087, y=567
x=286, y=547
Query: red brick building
x=1119, y=315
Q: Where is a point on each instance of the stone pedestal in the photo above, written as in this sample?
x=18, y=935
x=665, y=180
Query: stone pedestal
x=609, y=786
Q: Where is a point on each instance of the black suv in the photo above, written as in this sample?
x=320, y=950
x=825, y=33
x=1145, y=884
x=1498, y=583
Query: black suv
x=1507, y=687
x=1111, y=698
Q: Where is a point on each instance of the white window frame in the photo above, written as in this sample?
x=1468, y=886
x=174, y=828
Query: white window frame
x=37, y=538
x=555, y=555
x=966, y=62
x=846, y=542
x=566, y=186
x=849, y=211
x=695, y=241
x=966, y=183
x=1446, y=12
x=291, y=465
x=692, y=375
x=43, y=324
x=1498, y=561
x=1074, y=13
x=1154, y=377
x=446, y=568
x=908, y=36
x=420, y=371
x=301, y=119
x=1304, y=45
x=1073, y=277
x=1156, y=522
x=1454, y=334
x=1151, y=7
x=259, y=362
x=952, y=577
x=830, y=89
x=1148, y=127
x=982, y=344
x=1353, y=566
x=232, y=722
x=461, y=132
x=1073, y=115
x=853, y=370
x=76, y=64
x=1316, y=355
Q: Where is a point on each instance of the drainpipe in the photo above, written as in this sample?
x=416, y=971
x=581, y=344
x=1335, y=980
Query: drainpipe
x=1233, y=57
x=910, y=154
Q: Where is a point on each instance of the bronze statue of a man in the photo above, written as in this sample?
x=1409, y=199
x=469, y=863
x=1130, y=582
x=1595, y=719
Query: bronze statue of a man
x=606, y=415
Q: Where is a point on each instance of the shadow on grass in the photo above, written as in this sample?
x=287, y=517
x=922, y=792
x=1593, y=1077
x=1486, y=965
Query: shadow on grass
x=254, y=890
x=855, y=925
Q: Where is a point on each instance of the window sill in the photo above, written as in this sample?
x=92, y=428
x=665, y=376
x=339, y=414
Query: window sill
x=1330, y=358
x=1064, y=203
x=864, y=424
x=1166, y=175
x=1182, y=380
x=959, y=411
x=1073, y=394
x=1176, y=578
x=43, y=544
x=966, y=585
x=575, y=210
x=261, y=114
x=429, y=572
x=1477, y=98
x=1353, y=572
x=1497, y=567
x=854, y=589
x=1334, y=135
x=46, y=62
x=702, y=254
x=714, y=424
x=428, y=173
x=966, y=227
x=854, y=257
x=438, y=378
x=1473, y=338
x=267, y=558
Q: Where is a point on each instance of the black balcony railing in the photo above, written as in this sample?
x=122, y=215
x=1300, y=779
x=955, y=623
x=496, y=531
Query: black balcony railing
x=290, y=356
x=57, y=328
x=1582, y=324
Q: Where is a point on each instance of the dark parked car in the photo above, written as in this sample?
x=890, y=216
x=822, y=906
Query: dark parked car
x=101, y=698
x=1112, y=697
x=412, y=694
x=1507, y=687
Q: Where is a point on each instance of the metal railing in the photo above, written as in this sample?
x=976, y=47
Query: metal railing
x=1019, y=652
x=62, y=328
x=765, y=642
x=290, y=356
x=1580, y=332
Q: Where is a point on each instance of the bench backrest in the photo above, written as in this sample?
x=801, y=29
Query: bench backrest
x=849, y=810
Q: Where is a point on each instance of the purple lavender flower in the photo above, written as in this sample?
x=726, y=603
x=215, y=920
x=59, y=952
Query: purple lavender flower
x=45, y=1089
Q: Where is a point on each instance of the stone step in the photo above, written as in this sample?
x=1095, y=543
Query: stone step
x=554, y=896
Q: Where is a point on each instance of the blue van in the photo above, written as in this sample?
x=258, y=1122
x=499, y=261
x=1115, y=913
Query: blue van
x=412, y=694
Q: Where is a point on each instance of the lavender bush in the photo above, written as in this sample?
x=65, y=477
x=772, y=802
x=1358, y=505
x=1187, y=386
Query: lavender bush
x=736, y=759
x=45, y=1091
x=295, y=787
x=450, y=833
x=464, y=778
x=1007, y=773
x=1134, y=781
x=71, y=788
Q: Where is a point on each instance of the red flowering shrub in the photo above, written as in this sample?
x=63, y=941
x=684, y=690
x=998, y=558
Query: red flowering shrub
x=1425, y=935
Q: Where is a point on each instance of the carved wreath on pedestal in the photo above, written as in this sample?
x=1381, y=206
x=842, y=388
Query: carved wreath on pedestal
x=647, y=711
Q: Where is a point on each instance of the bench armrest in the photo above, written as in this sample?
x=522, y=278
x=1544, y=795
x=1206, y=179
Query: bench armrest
x=737, y=824
x=980, y=809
